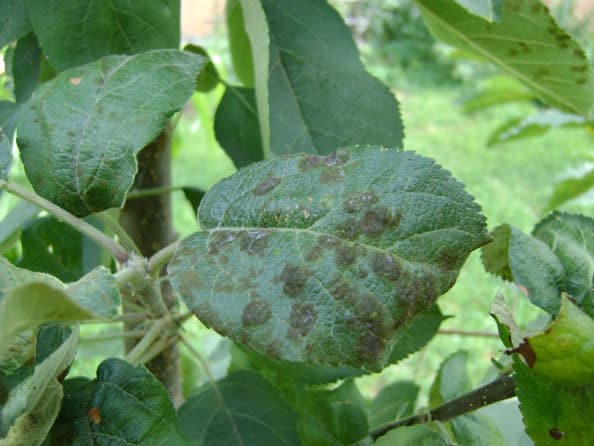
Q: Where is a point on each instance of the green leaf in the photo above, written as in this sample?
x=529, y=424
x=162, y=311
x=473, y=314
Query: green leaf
x=565, y=350
x=32, y=395
x=103, y=27
x=477, y=430
x=535, y=125
x=81, y=127
x=523, y=44
x=572, y=187
x=362, y=241
x=340, y=414
x=489, y=10
x=242, y=409
x=239, y=44
x=314, y=110
x=236, y=126
x=451, y=380
x=14, y=222
x=194, y=196
x=53, y=247
x=28, y=299
x=9, y=114
x=495, y=96
x=571, y=238
x=398, y=400
x=26, y=63
x=127, y=406
x=412, y=435
x=554, y=413
x=529, y=263
x=14, y=20
x=417, y=333
x=5, y=156
x=208, y=78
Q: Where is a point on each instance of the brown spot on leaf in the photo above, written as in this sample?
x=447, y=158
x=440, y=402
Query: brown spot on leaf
x=448, y=261
x=267, y=185
x=331, y=175
x=386, y=265
x=253, y=242
x=274, y=350
x=371, y=347
x=343, y=291
x=94, y=415
x=294, y=278
x=556, y=434
x=218, y=239
x=75, y=80
x=355, y=204
x=579, y=53
x=337, y=158
x=301, y=319
x=374, y=222
x=256, y=312
x=345, y=255
x=524, y=349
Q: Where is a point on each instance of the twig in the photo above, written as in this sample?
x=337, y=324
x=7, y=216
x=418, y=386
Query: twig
x=116, y=250
x=151, y=192
x=477, y=334
x=502, y=388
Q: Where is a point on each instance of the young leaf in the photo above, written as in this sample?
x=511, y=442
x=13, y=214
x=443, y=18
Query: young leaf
x=572, y=187
x=398, y=400
x=535, y=125
x=237, y=128
x=523, y=43
x=555, y=413
x=208, y=78
x=14, y=20
x=571, y=238
x=243, y=408
x=25, y=415
x=314, y=110
x=28, y=299
x=78, y=135
x=564, y=352
x=323, y=259
x=489, y=10
x=104, y=27
x=412, y=435
x=128, y=406
x=528, y=262
x=417, y=333
x=239, y=44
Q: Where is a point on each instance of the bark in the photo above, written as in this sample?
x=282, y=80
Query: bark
x=148, y=221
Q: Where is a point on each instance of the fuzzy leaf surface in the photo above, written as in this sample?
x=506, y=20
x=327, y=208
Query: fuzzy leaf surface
x=523, y=43
x=244, y=408
x=314, y=94
x=80, y=132
x=79, y=31
x=323, y=259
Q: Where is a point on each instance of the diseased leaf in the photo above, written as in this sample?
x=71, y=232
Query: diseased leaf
x=237, y=128
x=412, y=435
x=14, y=222
x=571, y=238
x=79, y=133
x=243, y=408
x=528, y=262
x=572, y=187
x=323, y=260
x=97, y=28
x=239, y=44
x=565, y=350
x=523, y=43
x=208, y=78
x=28, y=299
x=509, y=332
x=128, y=406
x=554, y=414
x=25, y=415
x=14, y=21
x=535, y=125
x=489, y=10
x=25, y=65
x=313, y=92
x=398, y=400
x=417, y=333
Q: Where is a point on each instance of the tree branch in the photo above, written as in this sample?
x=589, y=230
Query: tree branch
x=502, y=388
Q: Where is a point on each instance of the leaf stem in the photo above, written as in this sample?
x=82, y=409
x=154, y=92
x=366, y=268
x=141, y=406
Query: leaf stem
x=161, y=258
x=478, y=334
x=117, y=251
x=145, y=343
x=500, y=389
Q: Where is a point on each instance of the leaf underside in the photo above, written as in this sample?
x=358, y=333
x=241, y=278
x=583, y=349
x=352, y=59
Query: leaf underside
x=322, y=259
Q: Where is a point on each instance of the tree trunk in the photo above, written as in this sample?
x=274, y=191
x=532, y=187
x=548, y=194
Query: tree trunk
x=148, y=220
